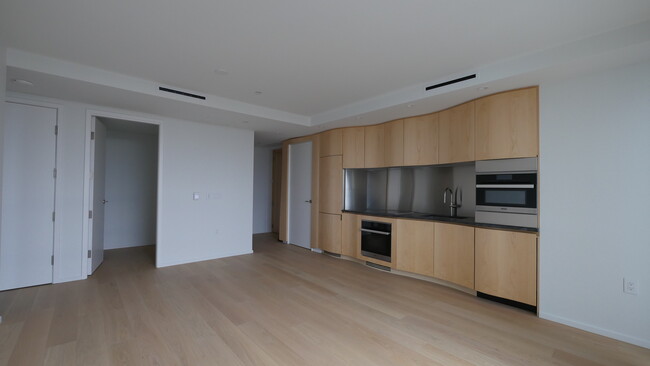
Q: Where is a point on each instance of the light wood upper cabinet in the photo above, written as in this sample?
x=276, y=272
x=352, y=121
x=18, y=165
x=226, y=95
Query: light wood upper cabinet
x=506, y=264
x=421, y=140
x=415, y=247
x=329, y=233
x=374, y=146
x=330, y=188
x=507, y=125
x=456, y=134
x=353, y=147
x=394, y=143
x=453, y=254
x=351, y=235
x=331, y=143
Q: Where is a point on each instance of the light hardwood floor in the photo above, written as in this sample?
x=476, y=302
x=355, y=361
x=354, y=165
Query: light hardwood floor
x=282, y=305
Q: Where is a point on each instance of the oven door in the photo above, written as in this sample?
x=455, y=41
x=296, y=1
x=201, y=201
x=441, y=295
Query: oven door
x=514, y=193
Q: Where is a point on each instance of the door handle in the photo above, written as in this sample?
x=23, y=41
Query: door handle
x=308, y=201
x=104, y=201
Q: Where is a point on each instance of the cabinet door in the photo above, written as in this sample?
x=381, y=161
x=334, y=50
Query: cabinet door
x=374, y=146
x=329, y=232
x=456, y=134
x=415, y=247
x=506, y=265
x=351, y=235
x=507, y=125
x=330, y=189
x=394, y=143
x=331, y=143
x=353, y=147
x=421, y=140
x=453, y=254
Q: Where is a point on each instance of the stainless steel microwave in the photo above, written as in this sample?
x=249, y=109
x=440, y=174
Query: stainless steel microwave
x=506, y=192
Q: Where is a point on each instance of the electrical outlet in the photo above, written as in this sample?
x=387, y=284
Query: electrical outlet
x=630, y=286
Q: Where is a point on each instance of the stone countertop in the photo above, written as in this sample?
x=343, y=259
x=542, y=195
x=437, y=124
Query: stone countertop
x=441, y=218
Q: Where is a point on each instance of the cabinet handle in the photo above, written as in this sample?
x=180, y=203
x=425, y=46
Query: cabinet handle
x=375, y=232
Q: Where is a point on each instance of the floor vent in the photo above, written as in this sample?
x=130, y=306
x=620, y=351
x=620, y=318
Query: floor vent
x=440, y=85
x=186, y=94
x=378, y=266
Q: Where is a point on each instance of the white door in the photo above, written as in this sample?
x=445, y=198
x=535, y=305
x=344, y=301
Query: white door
x=28, y=183
x=300, y=194
x=98, y=198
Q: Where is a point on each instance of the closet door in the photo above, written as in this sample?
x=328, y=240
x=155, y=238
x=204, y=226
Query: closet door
x=26, y=242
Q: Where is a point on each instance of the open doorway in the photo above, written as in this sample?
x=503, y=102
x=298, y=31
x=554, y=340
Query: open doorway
x=123, y=187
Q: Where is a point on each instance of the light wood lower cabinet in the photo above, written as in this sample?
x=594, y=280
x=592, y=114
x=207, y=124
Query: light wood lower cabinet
x=453, y=254
x=506, y=264
x=329, y=232
x=351, y=235
x=415, y=247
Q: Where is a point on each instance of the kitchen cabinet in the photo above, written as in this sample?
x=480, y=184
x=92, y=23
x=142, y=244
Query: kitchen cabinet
x=453, y=254
x=373, y=146
x=421, y=140
x=456, y=134
x=394, y=143
x=415, y=247
x=506, y=264
x=353, y=147
x=331, y=143
x=329, y=233
x=330, y=188
x=350, y=235
x=507, y=125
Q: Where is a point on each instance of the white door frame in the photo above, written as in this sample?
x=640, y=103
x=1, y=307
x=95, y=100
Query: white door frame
x=87, y=225
x=56, y=249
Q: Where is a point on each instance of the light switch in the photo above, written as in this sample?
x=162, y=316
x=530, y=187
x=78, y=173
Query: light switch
x=196, y=196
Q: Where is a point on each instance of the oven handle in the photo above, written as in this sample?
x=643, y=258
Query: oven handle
x=376, y=232
x=505, y=186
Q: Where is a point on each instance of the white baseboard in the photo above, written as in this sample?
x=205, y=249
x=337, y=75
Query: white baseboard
x=593, y=329
x=194, y=260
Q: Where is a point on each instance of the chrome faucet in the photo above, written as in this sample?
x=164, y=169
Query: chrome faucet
x=454, y=201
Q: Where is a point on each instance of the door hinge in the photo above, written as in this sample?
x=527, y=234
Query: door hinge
x=89, y=253
x=92, y=135
x=90, y=214
x=54, y=173
x=52, y=260
x=56, y=129
x=53, y=216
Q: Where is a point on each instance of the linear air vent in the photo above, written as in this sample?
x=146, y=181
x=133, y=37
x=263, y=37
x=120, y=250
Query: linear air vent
x=440, y=85
x=181, y=93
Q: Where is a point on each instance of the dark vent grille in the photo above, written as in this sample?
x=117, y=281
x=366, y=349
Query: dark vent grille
x=181, y=93
x=468, y=77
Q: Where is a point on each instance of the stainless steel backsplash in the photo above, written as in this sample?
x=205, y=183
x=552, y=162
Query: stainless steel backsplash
x=409, y=189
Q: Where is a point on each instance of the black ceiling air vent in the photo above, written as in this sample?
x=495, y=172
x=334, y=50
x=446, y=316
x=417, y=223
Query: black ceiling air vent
x=174, y=91
x=440, y=85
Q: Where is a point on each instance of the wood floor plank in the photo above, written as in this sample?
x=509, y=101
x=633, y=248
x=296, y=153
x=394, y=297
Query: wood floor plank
x=282, y=305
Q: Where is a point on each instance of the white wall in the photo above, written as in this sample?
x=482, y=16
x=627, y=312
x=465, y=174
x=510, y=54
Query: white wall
x=194, y=158
x=262, y=190
x=3, y=88
x=595, y=225
x=131, y=189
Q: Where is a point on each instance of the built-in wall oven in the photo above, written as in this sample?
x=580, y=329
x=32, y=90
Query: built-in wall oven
x=506, y=192
x=376, y=240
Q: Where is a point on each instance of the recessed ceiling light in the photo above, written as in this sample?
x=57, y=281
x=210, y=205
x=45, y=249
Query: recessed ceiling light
x=257, y=92
x=359, y=117
x=410, y=105
x=482, y=88
x=220, y=71
x=23, y=82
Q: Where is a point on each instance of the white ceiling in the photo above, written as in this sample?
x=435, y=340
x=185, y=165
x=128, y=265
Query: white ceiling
x=314, y=62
